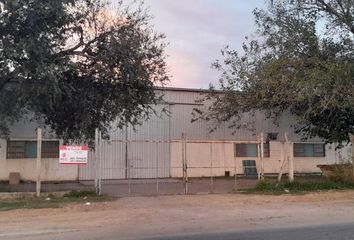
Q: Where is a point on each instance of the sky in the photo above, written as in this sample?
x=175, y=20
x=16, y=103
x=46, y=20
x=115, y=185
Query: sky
x=196, y=31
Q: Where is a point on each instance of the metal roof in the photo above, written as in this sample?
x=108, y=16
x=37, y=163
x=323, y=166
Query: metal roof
x=176, y=89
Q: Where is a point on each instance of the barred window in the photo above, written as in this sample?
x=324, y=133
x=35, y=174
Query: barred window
x=309, y=150
x=250, y=150
x=28, y=149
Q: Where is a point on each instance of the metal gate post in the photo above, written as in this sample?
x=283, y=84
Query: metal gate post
x=97, y=163
x=184, y=163
x=128, y=170
x=157, y=167
x=39, y=162
x=211, y=168
x=100, y=163
x=259, y=158
x=126, y=152
x=351, y=137
x=129, y=179
x=96, y=146
x=235, y=174
x=262, y=157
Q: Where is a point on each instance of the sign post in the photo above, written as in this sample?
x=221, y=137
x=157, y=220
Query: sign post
x=262, y=157
x=39, y=162
x=98, y=180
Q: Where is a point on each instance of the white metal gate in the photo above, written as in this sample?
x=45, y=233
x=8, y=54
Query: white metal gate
x=134, y=152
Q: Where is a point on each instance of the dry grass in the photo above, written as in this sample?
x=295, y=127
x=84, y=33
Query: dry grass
x=52, y=202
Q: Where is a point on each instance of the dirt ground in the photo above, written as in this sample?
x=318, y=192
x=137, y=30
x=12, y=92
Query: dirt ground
x=138, y=217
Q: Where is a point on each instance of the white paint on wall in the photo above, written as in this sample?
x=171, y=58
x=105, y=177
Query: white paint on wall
x=51, y=169
x=201, y=156
x=168, y=127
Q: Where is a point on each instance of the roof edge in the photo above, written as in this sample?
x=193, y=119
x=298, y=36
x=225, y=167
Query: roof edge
x=177, y=89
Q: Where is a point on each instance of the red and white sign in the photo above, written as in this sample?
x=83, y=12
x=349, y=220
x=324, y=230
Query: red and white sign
x=73, y=154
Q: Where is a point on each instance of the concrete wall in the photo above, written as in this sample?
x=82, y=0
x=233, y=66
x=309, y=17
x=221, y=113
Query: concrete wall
x=51, y=169
x=201, y=156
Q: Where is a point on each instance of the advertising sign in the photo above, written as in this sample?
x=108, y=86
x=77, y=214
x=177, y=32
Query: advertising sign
x=73, y=154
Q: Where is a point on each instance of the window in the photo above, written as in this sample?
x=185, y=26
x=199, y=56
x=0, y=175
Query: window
x=250, y=150
x=28, y=149
x=309, y=150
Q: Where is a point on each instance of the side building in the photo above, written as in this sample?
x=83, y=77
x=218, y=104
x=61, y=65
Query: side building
x=154, y=149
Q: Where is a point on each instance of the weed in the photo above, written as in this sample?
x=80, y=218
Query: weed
x=32, y=203
x=298, y=187
x=80, y=194
x=264, y=186
x=341, y=173
x=53, y=202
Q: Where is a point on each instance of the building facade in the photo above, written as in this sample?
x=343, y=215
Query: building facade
x=155, y=150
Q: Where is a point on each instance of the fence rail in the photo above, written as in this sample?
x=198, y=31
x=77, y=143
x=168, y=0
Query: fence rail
x=144, y=170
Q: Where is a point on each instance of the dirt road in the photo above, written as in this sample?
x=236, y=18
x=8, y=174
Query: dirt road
x=149, y=217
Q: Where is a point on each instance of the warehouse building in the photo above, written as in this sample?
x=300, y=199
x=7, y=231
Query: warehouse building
x=155, y=150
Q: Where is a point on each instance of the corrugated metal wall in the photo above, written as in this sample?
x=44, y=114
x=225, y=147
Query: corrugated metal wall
x=183, y=103
x=150, y=159
x=123, y=156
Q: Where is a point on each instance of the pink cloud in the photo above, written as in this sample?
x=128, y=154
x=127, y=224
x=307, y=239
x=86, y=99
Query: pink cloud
x=197, y=30
x=185, y=69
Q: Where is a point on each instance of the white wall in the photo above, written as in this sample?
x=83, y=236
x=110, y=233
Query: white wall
x=51, y=169
x=199, y=156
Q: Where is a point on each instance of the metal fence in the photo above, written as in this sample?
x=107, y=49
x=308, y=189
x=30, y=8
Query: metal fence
x=129, y=165
x=153, y=167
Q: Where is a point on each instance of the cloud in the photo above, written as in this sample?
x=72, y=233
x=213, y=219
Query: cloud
x=197, y=30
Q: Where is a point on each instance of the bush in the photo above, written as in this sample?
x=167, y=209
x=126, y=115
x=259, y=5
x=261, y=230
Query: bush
x=342, y=173
x=268, y=187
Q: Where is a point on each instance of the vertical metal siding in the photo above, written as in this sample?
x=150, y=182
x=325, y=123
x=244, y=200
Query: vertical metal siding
x=144, y=158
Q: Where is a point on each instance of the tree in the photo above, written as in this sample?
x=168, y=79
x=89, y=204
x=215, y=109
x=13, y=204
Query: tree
x=77, y=65
x=302, y=63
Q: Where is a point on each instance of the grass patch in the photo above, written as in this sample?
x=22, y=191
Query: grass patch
x=53, y=202
x=297, y=187
x=80, y=194
x=319, y=186
x=33, y=203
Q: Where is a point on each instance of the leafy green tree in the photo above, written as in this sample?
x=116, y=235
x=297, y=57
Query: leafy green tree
x=77, y=65
x=302, y=63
